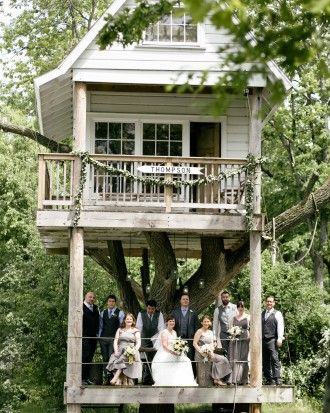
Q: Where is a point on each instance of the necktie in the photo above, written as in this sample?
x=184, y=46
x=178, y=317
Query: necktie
x=110, y=313
x=267, y=315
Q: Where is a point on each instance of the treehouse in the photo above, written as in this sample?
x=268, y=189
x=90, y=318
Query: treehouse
x=147, y=160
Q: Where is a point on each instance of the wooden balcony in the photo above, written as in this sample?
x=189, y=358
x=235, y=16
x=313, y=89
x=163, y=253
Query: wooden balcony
x=109, y=191
x=126, y=200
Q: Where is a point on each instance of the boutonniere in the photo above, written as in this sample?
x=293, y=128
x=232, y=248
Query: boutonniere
x=114, y=315
x=191, y=311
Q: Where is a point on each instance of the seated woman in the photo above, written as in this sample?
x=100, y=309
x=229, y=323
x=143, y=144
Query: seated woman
x=125, y=360
x=169, y=368
x=210, y=363
x=220, y=367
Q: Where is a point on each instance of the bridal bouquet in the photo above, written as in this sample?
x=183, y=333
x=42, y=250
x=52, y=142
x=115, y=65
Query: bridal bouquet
x=130, y=353
x=206, y=349
x=180, y=346
x=234, y=332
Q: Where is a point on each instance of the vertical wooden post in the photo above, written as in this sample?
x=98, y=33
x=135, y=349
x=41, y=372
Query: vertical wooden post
x=168, y=191
x=41, y=181
x=73, y=372
x=74, y=348
x=255, y=254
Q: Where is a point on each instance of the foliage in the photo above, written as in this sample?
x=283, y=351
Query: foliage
x=38, y=38
x=296, y=142
x=305, y=349
x=291, y=32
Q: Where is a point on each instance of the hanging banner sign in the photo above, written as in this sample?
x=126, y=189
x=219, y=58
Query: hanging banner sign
x=161, y=169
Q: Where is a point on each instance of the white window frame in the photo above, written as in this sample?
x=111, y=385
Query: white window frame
x=171, y=43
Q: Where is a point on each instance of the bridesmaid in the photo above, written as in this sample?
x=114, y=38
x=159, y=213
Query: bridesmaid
x=239, y=347
x=126, y=335
x=204, y=336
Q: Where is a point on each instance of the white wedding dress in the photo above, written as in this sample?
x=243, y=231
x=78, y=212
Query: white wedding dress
x=171, y=370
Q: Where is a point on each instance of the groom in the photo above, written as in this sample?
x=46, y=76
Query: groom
x=186, y=323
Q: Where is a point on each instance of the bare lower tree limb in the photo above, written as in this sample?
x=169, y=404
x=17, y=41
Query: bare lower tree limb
x=52, y=145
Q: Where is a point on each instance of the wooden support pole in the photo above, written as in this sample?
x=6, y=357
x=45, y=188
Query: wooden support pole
x=255, y=253
x=74, y=356
x=79, y=116
x=73, y=372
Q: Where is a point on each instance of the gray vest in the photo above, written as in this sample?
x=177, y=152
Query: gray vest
x=269, y=326
x=184, y=325
x=150, y=327
x=110, y=325
x=224, y=318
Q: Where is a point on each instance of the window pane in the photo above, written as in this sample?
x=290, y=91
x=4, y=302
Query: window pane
x=100, y=146
x=176, y=149
x=164, y=33
x=129, y=131
x=128, y=148
x=165, y=20
x=101, y=130
x=162, y=132
x=148, y=148
x=115, y=130
x=151, y=33
x=177, y=19
x=176, y=132
x=162, y=149
x=149, y=131
x=114, y=147
x=191, y=34
x=177, y=34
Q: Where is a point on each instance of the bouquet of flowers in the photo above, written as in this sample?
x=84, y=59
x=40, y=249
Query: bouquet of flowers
x=180, y=346
x=234, y=332
x=206, y=349
x=130, y=353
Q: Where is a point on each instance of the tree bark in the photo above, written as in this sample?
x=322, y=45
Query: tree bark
x=118, y=264
x=52, y=145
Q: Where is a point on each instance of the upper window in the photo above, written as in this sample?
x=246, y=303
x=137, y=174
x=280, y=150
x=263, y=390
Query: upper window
x=162, y=139
x=116, y=138
x=173, y=28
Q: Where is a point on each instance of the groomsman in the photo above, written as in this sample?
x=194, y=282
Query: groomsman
x=186, y=323
x=223, y=314
x=110, y=320
x=150, y=322
x=272, y=338
x=90, y=331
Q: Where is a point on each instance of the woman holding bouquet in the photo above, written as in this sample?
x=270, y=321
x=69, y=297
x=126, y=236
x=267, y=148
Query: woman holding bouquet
x=125, y=360
x=209, y=365
x=239, y=346
x=171, y=366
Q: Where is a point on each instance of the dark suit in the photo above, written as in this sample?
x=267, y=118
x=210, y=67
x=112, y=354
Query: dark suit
x=186, y=327
x=90, y=329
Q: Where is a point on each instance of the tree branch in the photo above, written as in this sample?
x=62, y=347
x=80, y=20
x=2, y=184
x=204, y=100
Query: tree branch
x=164, y=283
x=52, y=145
x=119, y=269
x=103, y=260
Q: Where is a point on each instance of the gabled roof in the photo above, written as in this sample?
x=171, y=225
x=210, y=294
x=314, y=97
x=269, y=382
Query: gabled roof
x=54, y=89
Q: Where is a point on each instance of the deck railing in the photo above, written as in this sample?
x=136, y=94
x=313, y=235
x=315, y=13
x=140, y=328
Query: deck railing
x=105, y=190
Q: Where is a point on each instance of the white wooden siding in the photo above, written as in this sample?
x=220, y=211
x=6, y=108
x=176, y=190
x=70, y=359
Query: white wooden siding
x=234, y=135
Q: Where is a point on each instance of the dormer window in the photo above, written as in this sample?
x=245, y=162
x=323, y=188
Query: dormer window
x=173, y=29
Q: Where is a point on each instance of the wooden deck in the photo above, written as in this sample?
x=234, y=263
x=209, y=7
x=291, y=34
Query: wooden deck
x=184, y=230
x=106, y=395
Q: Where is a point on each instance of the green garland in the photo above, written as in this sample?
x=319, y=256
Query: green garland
x=249, y=167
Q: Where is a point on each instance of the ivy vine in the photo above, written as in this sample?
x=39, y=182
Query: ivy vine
x=249, y=168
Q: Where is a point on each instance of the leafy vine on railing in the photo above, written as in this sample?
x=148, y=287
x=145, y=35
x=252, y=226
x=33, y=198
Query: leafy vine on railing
x=249, y=168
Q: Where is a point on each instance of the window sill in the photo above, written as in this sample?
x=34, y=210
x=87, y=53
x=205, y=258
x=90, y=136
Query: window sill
x=171, y=46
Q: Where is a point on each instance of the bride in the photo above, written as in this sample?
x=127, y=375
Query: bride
x=168, y=367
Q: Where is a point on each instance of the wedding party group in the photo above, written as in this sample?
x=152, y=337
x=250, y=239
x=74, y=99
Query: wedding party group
x=179, y=349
